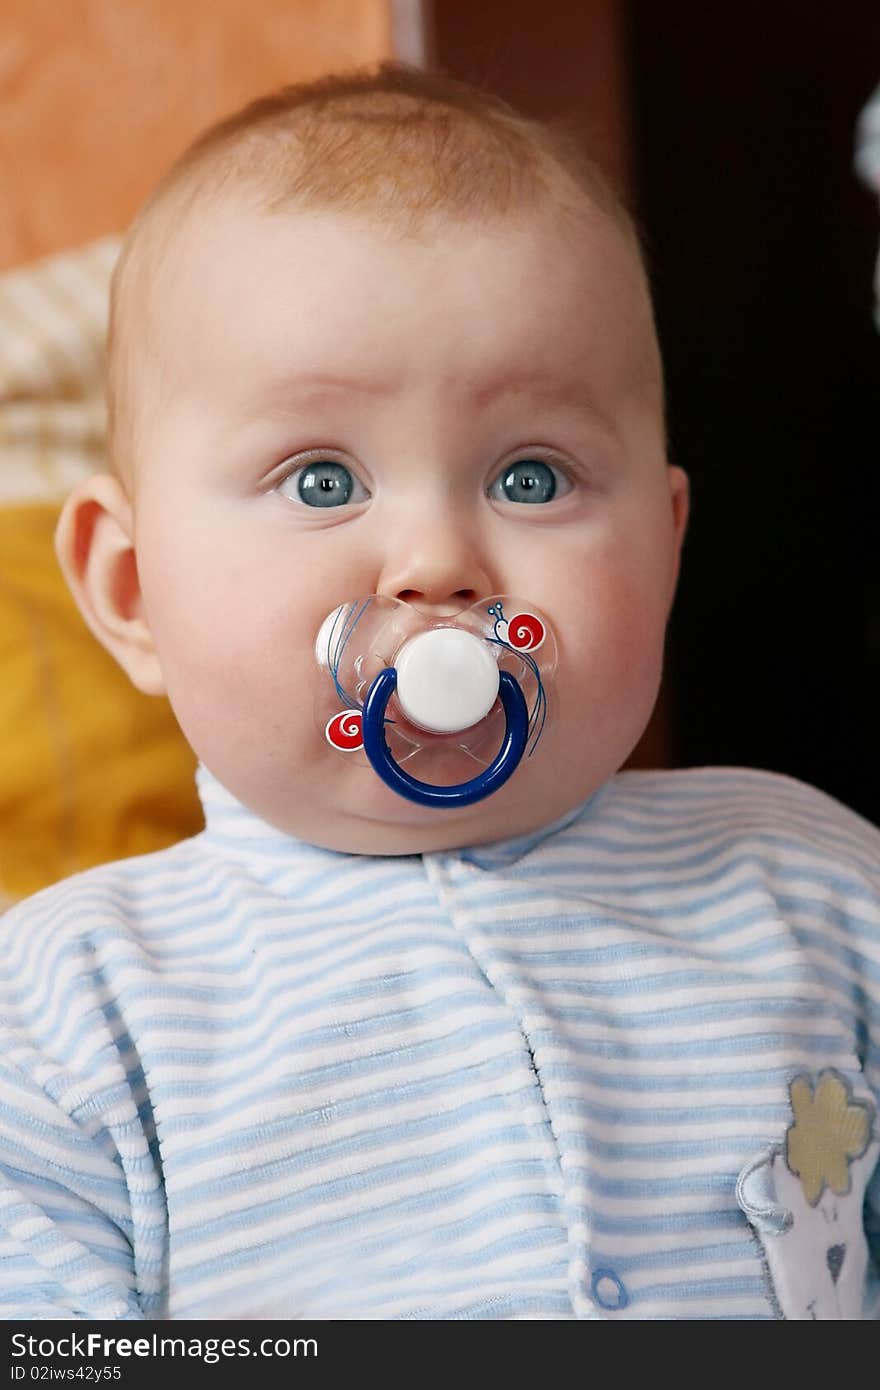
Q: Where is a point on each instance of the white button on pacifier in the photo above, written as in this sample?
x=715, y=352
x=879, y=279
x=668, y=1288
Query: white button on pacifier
x=447, y=680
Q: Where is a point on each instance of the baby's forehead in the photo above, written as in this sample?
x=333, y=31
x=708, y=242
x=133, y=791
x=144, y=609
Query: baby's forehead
x=201, y=253
x=201, y=239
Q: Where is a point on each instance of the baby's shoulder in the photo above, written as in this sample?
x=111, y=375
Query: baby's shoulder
x=770, y=810
x=112, y=896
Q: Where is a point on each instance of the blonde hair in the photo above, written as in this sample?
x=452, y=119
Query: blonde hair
x=395, y=143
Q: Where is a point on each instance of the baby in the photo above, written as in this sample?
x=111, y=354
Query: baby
x=596, y=1045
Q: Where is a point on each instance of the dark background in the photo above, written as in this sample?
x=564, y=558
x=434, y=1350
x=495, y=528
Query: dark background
x=738, y=124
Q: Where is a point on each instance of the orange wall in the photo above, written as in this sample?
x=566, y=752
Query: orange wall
x=97, y=97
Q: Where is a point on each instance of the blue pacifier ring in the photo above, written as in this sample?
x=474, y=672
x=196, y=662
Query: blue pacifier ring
x=464, y=793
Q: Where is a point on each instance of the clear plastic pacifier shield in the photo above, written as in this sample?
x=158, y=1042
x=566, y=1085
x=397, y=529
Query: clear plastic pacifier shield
x=442, y=709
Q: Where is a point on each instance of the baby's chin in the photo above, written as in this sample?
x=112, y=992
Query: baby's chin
x=377, y=820
x=342, y=804
x=359, y=814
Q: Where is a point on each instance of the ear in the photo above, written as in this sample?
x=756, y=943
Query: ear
x=94, y=542
x=680, y=495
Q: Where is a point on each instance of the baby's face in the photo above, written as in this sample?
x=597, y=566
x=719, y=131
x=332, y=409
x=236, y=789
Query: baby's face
x=415, y=372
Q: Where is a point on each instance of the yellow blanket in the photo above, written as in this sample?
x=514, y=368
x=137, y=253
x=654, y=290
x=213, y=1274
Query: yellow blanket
x=90, y=769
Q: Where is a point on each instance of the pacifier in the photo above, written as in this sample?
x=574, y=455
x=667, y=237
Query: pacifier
x=442, y=709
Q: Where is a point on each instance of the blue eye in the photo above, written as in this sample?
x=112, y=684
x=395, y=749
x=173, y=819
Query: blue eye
x=527, y=480
x=323, y=483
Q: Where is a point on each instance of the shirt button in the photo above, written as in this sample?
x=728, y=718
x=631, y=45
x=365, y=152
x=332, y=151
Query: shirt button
x=609, y=1291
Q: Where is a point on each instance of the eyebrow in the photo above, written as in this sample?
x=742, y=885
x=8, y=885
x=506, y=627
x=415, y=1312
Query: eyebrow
x=539, y=385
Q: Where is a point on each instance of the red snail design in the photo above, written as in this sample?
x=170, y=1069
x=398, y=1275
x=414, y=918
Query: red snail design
x=344, y=731
x=524, y=633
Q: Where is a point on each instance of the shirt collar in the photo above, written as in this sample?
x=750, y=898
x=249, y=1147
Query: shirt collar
x=500, y=854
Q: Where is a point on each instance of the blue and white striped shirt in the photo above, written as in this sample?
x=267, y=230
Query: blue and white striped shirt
x=625, y=1067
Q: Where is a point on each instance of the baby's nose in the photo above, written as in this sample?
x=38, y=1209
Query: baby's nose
x=440, y=570
x=433, y=605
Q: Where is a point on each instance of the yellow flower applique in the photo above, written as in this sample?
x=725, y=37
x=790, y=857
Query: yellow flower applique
x=830, y=1129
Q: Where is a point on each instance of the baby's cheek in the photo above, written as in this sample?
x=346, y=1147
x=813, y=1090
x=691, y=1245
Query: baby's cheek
x=238, y=672
x=619, y=621
x=611, y=657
